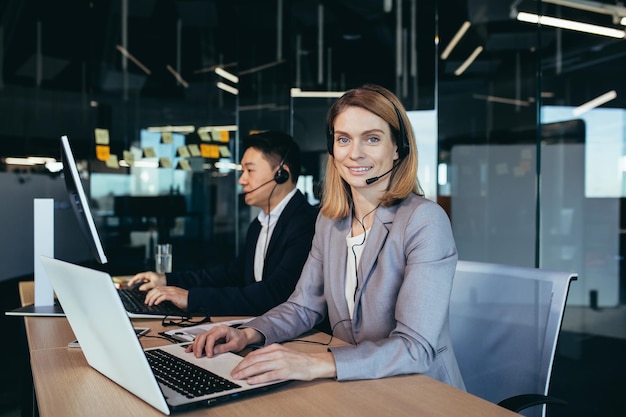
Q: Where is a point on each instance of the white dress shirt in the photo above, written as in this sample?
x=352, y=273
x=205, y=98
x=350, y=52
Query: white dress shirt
x=268, y=222
x=355, y=249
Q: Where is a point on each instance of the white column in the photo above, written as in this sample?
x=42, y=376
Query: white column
x=43, y=245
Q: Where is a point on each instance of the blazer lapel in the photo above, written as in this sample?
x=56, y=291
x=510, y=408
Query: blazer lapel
x=253, y=235
x=337, y=254
x=373, y=246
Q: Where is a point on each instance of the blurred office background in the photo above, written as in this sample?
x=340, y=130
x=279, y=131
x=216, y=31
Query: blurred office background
x=528, y=174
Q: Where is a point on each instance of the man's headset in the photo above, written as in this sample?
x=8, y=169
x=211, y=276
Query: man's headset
x=280, y=176
x=401, y=138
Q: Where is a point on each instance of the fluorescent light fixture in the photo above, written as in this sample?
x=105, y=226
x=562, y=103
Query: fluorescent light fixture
x=225, y=74
x=29, y=161
x=227, y=88
x=228, y=128
x=623, y=21
x=177, y=76
x=503, y=100
x=455, y=40
x=461, y=69
x=617, y=11
x=296, y=92
x=173, y=129
x=592, y=104
x=127, y=54
x=571, y=25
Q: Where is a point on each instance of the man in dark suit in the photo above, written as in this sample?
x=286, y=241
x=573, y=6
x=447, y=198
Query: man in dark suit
x=277, y=243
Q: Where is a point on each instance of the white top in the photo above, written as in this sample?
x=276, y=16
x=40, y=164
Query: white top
x=268, y=222
x=355, y=249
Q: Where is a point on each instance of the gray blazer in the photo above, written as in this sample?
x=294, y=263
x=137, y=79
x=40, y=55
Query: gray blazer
x=400, y=320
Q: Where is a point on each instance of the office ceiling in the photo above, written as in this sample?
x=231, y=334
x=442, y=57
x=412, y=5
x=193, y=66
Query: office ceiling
x=74, y=46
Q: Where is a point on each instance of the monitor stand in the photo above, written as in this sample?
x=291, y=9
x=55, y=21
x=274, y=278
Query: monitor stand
x=45, y=303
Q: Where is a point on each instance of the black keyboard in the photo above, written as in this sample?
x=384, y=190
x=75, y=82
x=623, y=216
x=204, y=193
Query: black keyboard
x=134, y=302
x=184, y=377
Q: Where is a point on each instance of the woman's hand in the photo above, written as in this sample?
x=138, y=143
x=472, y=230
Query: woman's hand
x=150, y=280
x=222, y=339
x=278, y=363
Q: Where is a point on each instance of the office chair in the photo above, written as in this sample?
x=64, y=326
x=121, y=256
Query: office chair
x=505, y=322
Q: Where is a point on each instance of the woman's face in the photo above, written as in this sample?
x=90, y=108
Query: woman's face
x=363, y=148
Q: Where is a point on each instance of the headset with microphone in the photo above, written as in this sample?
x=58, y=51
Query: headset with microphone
x=374, y=179
x=280, y=176
x=402, y=139
x=260, y=186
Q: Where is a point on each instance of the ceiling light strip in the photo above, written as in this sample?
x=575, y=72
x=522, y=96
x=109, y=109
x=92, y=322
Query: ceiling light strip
x=596, y=102
x=502, y=100
x=227, y=88
x=229, y=128
x=29, y=161
x=225, y=74
x=173, y=129
x=571, y=25
x=617, y=11
x=296, y=92
x=461, y=69
x=455, y=40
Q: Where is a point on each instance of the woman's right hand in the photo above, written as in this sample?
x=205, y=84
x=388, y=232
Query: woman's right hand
x=222, y=339
x=149, y=279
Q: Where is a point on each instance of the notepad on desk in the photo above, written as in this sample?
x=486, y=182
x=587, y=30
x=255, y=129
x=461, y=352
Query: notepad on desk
x=188, y=334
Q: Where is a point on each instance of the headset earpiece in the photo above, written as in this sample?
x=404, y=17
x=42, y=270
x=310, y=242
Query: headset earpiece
x=330, y=140
x=403, y=139
x=282, y=175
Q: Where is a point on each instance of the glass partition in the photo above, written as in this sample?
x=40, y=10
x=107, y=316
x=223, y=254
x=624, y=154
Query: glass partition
x=529, y=168
x=531, y=142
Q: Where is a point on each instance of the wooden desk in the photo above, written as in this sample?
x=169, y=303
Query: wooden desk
x=66, y=385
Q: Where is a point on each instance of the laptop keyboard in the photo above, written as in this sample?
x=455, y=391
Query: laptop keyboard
x=184, y=377
x=134, y=302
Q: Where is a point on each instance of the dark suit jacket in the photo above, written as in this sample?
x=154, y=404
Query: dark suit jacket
x=229, y=289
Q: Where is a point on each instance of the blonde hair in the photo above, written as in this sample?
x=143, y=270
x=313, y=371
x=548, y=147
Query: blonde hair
x=336, y=194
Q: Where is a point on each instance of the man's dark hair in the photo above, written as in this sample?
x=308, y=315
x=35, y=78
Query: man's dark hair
x=277, y=147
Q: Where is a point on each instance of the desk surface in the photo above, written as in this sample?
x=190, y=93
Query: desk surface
x=66, y=385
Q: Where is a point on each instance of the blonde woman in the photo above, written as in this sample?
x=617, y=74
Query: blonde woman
x=380, y=268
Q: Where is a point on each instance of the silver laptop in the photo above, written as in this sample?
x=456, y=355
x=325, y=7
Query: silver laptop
x=110, y=345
